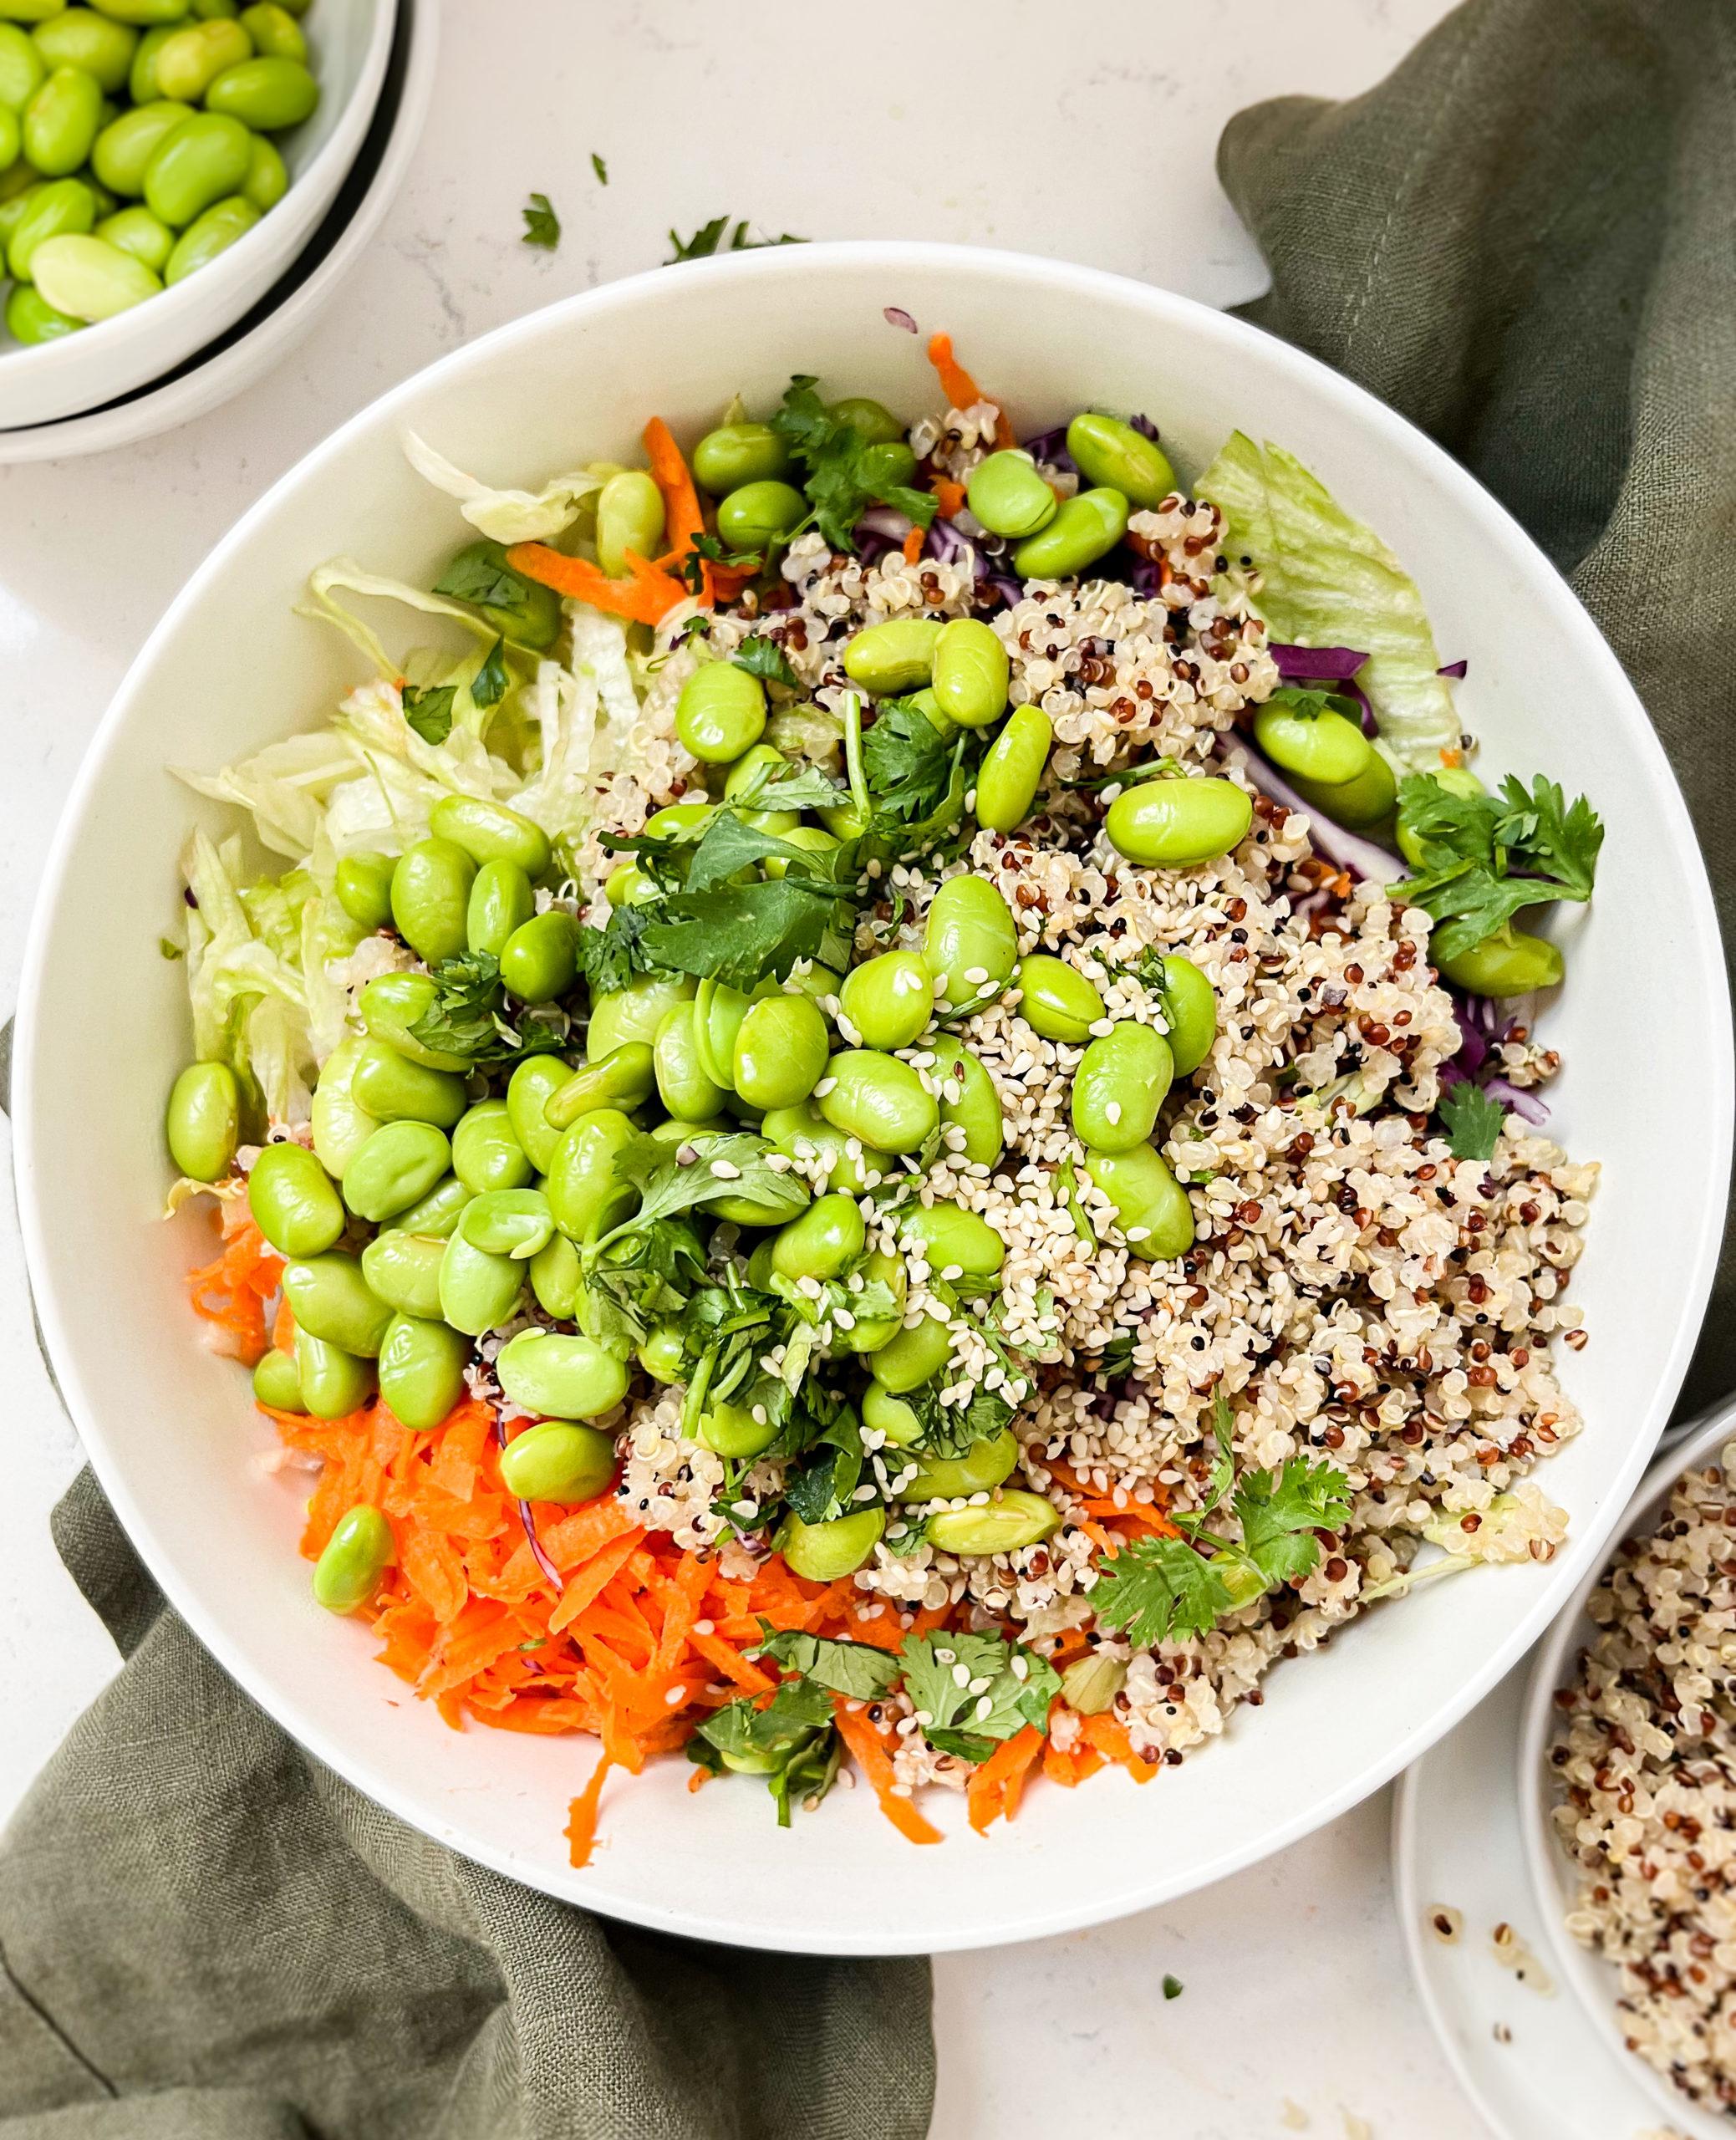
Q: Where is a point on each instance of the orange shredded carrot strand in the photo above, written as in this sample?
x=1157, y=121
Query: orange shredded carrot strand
x=950, y=495
x=582, y=1819
x=683, y=521
x=960, y=388
x=993, y=1791
x=645, y=597
x=912, y=545
x=872, y=1758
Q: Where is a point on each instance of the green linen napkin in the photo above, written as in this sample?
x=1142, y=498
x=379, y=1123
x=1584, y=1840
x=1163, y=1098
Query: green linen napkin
x=1525, y=240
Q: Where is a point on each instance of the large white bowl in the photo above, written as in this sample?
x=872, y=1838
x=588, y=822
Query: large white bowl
x=104, y=1028
x=350, y=41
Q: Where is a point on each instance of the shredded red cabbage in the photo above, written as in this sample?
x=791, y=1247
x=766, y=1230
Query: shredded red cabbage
x=1454, y=669
x=1316, y=665
x=1144, y=425
x=1051, y=446
x=1349, y=850
x=895, y=315
x=529, y=1520
x=1522, y=1102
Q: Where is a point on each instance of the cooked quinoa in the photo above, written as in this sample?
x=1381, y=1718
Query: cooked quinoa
x=1644, y=1771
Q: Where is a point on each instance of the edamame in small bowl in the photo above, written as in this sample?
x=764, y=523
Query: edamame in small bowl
x=869, y=1140
x=141, y=143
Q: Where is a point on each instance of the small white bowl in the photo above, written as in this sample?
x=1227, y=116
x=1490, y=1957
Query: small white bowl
x=351, y=40
x=1594, y=1982
x=283, y=317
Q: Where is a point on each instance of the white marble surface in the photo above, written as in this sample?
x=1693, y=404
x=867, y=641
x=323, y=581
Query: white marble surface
x=1084, y=131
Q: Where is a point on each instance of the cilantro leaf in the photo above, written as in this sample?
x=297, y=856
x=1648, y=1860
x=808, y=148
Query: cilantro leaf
x=952, y=1429
x=1159, y=1588
x=826, y=1488
x=601, y=168
x=717, y=236
x=1173, y=1987
x=908, y=761
x=1472, y=1120
x=707, y=549
x=476, y=576
x=742, y=932
x=609, y=957
x=842, y=475
x=789, y=787
x=1309, y=701
x=1550, y=836
x=488, y=686
x=468, y=1016
x=729, y=843
x=855, y=1669
x=1279, y=1512
x=764, y=657
x=1485, y=858
x=429, y=711
x=790, y=1742
x=665, y=1186
x=541, y=226
x=1013, y=1698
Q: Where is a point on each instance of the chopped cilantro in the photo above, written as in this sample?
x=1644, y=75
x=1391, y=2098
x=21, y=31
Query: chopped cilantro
x=1472, y=1120
x=429, y=711
x=468, y=1016
x=1173, y=1987
x=718, y=236
x=488, y=686
x=855, y=1669
x=743, y=932
x=601, y=168
x=707, y=550
x=764, y=657
x=908, y=761
x=843, y=477
x=476, y=576
x=541, y=226
x=790, y=1742
x=1486, y=857
x=994, y=1702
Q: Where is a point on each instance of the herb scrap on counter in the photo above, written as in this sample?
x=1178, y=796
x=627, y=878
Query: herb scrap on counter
x=601, y=168
x=542, y=225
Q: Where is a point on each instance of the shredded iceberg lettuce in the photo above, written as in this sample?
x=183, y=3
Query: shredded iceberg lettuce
x=506, y=516
x=1329, y=580
x=244, y=975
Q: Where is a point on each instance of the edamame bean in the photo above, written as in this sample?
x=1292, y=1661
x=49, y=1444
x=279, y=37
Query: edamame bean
x=1056, y=999
x=333, y=1383
x=808, y=836
x=138, y=13
x=538, y=960
x=734, y=454
x=267, y=182
x=622, y=1078
x=955, y=1241
x=968, y=1102
x=90, y=280
x=209, y=234
x=663, y=1354
x=870, y=420
x=12, y=142
x=357, y=1555
x=763, y=762
x=478, y=1290
x=396, y=1169
x=1510, y=963
x=522, y=610
x=557, y=1279
x=883, y=467
x=896, y=656
x=392, y=1003
x=392, y=1088
x=515, y=1222
x=208, y=11
x=872, y=1333
x=678, y=817
x=890, y=1417
x=826, y=1552
x=66, y=207
x=800, y=1132
x=558, y=1461
x=722, y=712
x=970, y=673
x=274, y=31
x=490, y=832
x=136, y=230
x=268, y=93
x=30, y=11
x=330, y=1298
x=571, y=1377
x=582, y=1188
x=14, y=208
x=629, y=521
x=431, y=892
x=1173, y=824
x=403, y=1269
x=141, y=81
x=61, y=122
x=203, y=1122
x=501, y=901
x=628, y=885
x=1190, y=1010
x=532, y=1086
x=758, y=518
x=1012, y=769
x=1321, y=745
x=889, y=1000
x=1113, y=454
x=731, y=1430
x=486, y=1155
x=421, y=1370
x=779, y=1051
x=634, y=1012
x=206, y=158
x=276, y=1383
x=1086, y=526
x=439, y=1211
x=718, y=1012
x=190, y=61
x=969, y=938
x=1014, y=1520
x=31, y=319
x=1357, y=804
x=79, y=36
x=682, y=1085
x=1149, y=1202
x=363, y=883
x=823, y=1242
x=914, y=1356
x=293, y=1203
x=983, y=1467
x=342, y=1125
x=1009, y=497
x=22, y=70
x=877, y=1098
x=1121, y=1081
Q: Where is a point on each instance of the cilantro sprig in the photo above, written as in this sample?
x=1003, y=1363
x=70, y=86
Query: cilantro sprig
x=1485, y=857
x=843, y=473
x=719, y=237
x=968, y=1695
x=1472, y=1120
x=469, y=1015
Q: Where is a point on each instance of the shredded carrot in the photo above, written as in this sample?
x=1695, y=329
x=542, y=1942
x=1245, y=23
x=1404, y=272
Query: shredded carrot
x=230, y=1293
x=913, y=543
x=582, y=1824
x=960, y=388
x=645, y=597
x=872, y=1758
x=996, y=1784
x=951, y=496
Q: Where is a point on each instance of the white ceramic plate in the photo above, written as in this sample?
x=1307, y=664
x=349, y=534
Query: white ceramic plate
x=261, y=340
x=1553, y=1876
x=350, y=41
x=1527, y=2054
x=103, y=1029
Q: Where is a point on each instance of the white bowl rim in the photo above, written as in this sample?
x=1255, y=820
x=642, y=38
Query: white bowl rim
x=1592, y=1979
x=21, y=363
x=771, y=266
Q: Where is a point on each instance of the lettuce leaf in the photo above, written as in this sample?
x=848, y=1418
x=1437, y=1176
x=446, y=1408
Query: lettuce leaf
x=1329, y=580
x=505, y=516
x=244, y=980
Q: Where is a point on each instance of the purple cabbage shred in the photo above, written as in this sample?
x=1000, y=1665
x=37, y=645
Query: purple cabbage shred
x=1454, y=669
x=895, y=315
x=529, y=1520
x=1050, y=447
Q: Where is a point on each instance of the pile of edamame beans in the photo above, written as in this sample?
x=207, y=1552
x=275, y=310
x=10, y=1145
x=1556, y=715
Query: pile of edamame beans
x=135, y=146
